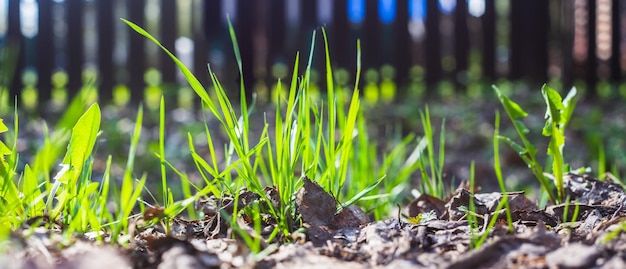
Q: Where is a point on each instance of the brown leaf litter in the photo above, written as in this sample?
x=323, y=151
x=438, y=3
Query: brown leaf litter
x=541, y=238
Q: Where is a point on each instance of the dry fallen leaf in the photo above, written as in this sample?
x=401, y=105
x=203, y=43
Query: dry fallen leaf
x=316, y=205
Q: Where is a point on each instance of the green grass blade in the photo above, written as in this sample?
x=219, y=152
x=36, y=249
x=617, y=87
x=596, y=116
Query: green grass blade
x=361, y=194
x=242, y=89
x=193, y=81
x=164, y=196
x=331, y=150
x=498, y=169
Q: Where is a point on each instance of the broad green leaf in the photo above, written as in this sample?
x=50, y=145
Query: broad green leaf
x=30, y=186
x=547, y=128
x=3, y=128
x=554, y=106
x=570, y=103
x=512, y=109
x=521, y=126
x=4, y=150
x=83, y=139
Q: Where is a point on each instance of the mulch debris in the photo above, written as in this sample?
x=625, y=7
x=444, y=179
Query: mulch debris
x=586, y=233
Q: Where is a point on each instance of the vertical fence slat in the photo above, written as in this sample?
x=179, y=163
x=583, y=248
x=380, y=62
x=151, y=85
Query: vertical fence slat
x=14, y=35
x=518, y=39
x=402, y=43
x=489, y=40
x=371, y=36
x=106, y=71
x=207, y=32
x=244, y=29
x=276, y=33
x=75, y=45
x=45, y=51
x=592, y=62
x=260, y=44
x=433, y=44
x=461, y=42
x=308, y=20
x=529, y=39
x=135, y=63
x=616, y=70
x=308, y=23
x=343, y=46
x=168, y=37
x=567, y=39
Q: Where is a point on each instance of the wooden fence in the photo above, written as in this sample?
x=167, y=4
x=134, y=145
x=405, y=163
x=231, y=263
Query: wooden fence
x=461, y=41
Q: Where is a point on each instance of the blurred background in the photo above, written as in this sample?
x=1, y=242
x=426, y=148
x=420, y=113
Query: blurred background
x=54, y=47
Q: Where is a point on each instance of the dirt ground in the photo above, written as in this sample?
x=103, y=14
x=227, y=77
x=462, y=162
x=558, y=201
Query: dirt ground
x=589, y=237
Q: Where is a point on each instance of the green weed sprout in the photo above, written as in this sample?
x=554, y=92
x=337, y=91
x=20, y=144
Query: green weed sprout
x=558, y=114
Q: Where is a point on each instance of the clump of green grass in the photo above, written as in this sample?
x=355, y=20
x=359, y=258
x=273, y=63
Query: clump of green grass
x=432, y=184
x=325, y=142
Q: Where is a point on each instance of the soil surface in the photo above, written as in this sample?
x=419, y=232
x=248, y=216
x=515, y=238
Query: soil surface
x=436, y=234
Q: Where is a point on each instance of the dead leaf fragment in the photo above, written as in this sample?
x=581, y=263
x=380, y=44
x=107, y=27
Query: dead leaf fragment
x=426, y=203
x=316, y=206
x=352, y=216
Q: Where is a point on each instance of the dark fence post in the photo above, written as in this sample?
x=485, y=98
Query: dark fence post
x=402, y=45
x=461, y=43
x=260, y=45
x=106, y=71
x=567, y=43
x=209, y=31
x=75, y=47
x=371, y=36
x=168, y=38
x=616, y=36
x=433, y=44
x=489, y=40
x=308, y=24
x=276, y=34
x=343, y=46
x=136, y=51
x=592, y=60
x=244, y=29
x=308, y=21
x=45, y=52
x=529, y=40
x=14, y=34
